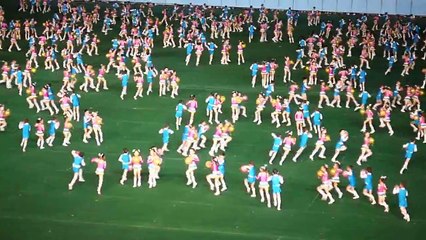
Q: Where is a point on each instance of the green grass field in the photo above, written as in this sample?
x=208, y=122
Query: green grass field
x=36, y=204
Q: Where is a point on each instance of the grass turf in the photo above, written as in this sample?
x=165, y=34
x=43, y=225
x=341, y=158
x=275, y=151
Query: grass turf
x=36, y=204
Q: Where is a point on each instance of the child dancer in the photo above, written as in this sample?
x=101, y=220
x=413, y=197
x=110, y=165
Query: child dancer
x=78, y=162
x=335, y=178
x=317, y=119
x=340, y=145
x=349, y=173
x=264, y=178
x=365, y=149
x=179, y=112
x=100, y=169
x=165, y=132
x=137, y=167
x=410, y=148
x=288, y=142
x=192, y=108
x=402, y=199
x=303, y=143
x=192, y=161
x=97, y=128
x=221, y=168
x=260, y=105
x=276, y=181
x=381, y=193
x=250, y=180
x=154, y=161
x=4, y=113
x=366, y=174
x=278, y=141
x=326, y=186
x=124, y=159
x=214, y=175
x=200, y=142
x=323, y=137
x=26, y=128
x=75, y=100
x=67, y=132
x=39, y=126
x=53, y=126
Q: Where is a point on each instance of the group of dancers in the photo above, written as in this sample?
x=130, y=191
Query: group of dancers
x=131, y=54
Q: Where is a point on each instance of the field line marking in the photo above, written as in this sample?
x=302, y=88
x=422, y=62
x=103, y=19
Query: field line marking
x=141, y=226
x=313, y=200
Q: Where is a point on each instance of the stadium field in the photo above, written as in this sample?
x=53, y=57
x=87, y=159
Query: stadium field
x=36, y=204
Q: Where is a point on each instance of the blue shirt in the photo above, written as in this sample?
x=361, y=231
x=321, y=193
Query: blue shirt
x=125, y=78
x=362, y=74
x=364, y=97
x=166, y=133
x=369, y=180
x=317, y=116
x=189, y=48
x=304, y=139
x=402, y=196
x=411, y=147
x=125, y=157
x=52, y=127
x=75, y=99
x=352, y=179
x=211, y=47
x=26, y=130
x=252, y=172
x=254, y=67
x=211, y=101
x=180, y=107
x=77, y=161
x=276, y=181
x=278, y=141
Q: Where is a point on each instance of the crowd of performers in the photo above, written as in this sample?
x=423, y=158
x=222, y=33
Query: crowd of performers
x=61, y=44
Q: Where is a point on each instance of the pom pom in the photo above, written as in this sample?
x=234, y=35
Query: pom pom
x=244, y=168
x=157, y=161
x=68, y=125
x=363, y=174
x=231, y=129
x=188, y=160
x=395, y=190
